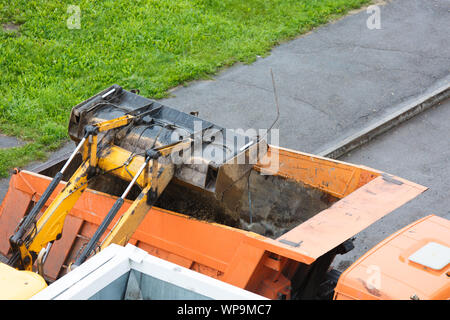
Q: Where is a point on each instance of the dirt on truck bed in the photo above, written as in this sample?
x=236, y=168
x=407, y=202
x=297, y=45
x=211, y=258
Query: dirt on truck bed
x=194, y=203
x=273, y=206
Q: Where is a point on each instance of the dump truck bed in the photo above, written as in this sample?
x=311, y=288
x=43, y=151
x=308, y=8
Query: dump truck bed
x=267, y=266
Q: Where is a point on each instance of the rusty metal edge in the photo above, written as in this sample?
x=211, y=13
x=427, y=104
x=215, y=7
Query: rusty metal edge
x=406, y=111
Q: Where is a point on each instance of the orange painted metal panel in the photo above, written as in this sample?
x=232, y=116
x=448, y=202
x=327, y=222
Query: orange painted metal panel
x=332, y=176
x=350, y=215
x=16, y=206
x=397, y=277
x=59, y=252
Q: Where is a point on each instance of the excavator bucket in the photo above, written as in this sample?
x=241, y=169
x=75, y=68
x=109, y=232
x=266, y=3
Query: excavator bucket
x=213, y=166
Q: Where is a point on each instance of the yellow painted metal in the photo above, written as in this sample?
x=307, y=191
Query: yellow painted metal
x=93, y=153
x=103, y=127
x=155, y=183
x=26, y=258
x=24, y=284
x=114, y=123
x=85, y=150
x=175, y=147
x=19, y=285
x=132, y=218
x=50, y=225
x=114, y=159
x=117, y=161
x=154, y=177
x=123, y=164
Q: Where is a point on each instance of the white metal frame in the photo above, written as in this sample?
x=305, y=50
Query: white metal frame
x=114, y=261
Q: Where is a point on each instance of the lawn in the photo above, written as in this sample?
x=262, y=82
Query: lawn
x=47, y=68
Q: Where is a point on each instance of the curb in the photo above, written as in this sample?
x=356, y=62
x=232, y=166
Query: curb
x=406, y=111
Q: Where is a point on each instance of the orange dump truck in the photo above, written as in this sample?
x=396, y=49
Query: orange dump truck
x=411, y=264
x=274, y=232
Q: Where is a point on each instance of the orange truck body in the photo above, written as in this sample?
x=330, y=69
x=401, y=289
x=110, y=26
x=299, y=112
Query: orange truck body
x=266, y=266
x=386, y=272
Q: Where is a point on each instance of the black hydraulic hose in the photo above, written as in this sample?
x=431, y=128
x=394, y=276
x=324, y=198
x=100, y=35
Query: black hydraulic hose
x=99, y=232
x=15, y=239
x=112, y=212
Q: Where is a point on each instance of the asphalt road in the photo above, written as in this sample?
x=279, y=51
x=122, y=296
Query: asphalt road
x=417, y=150
x=333, y=81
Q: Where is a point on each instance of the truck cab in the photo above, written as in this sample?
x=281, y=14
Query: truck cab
x=413, y=263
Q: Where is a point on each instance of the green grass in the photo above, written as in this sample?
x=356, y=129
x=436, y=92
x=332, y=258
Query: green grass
x=47, y=68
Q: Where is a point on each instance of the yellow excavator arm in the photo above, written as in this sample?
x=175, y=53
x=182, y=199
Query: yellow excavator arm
x=33, y=240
